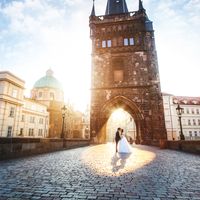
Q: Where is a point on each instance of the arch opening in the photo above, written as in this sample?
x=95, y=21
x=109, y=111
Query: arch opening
x=130, y=108
x=121, y=118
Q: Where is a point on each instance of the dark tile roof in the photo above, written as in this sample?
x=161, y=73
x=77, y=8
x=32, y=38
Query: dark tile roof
x=116, y=7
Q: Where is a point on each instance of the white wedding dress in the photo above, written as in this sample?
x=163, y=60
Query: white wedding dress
x=124, y=146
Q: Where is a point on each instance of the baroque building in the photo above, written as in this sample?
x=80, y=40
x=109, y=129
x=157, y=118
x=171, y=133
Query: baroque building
x=190, y=117
x=48, y=91
x=20, y=116
x=125, y=72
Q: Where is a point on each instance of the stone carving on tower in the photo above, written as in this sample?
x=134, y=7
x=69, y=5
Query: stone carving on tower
x=125, y=72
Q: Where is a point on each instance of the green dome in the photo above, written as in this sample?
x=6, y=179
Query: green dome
x=48, y=81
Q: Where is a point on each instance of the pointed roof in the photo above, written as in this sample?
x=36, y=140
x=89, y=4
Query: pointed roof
x=93, y=10
x=141, y=8
x=116, y=7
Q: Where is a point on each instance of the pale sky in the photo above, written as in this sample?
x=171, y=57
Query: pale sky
x=36, y=35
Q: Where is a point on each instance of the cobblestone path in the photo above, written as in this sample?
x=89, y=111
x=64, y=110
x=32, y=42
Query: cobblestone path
x=97, y=172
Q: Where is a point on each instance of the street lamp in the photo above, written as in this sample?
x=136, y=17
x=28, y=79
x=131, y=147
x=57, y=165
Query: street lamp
x=64, y=109
x=179, y=111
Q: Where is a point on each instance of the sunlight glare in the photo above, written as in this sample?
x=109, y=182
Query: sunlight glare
x=118, y=115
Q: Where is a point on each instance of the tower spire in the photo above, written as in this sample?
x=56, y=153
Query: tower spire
x=93, y=10
x=116, y=7
x=141, y=8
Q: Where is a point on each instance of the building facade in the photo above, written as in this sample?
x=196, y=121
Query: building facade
x=48, y=90
x=20, y=116
x=125, y=72
x=190, y=118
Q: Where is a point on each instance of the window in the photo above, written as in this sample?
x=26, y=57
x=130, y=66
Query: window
x=104, y=43
x=131, y=41
x=12, y=111
x=40, y=94
x=23, y=118
x=40, y=132
x=194, y=122
x=199, y=122
x=109, y=43
x=32, y=119
x=118, y=75
x=98, y=43
x=197, y=111
x=189, y=122
x=21, y=133
x=30, y=132
x=14, y=93
x=41, y=120
x=125, y=41
x=195, y=133
x=9, y=132
x=188, y=112
x=190, y=133
x=192, y=111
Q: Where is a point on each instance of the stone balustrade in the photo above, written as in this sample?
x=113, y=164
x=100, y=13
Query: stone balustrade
x=18, y=147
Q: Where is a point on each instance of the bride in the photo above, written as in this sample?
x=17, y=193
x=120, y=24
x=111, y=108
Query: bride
x=123, y=145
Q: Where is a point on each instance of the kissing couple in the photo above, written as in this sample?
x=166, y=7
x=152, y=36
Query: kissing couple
x=122, y=145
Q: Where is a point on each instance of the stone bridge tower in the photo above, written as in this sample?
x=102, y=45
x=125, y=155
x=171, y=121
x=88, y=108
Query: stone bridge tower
x=125, y=72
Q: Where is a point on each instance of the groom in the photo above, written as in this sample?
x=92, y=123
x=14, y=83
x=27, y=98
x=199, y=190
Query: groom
x=117, y=137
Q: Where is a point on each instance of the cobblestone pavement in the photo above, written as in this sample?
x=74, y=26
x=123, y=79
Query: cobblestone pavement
x=96, y=172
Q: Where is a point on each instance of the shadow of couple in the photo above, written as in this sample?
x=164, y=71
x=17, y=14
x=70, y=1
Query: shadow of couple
x=118, y=161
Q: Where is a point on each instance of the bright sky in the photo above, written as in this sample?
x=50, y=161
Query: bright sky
x=36, y=35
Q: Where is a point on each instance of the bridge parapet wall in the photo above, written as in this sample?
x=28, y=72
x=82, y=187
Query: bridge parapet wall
x=186, y=146
x=18, y=147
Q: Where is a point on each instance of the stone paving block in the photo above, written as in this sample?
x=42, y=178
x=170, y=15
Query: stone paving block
x=148, y=173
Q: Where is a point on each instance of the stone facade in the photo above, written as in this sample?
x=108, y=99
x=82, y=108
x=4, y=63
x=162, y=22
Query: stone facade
x=20, y=116
x=125, y=74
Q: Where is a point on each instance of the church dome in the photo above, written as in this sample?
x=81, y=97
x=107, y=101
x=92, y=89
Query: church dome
x=48, y=81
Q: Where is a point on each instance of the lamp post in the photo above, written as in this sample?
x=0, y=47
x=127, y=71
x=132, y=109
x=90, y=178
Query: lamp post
x=179, y=111
x=64, y=109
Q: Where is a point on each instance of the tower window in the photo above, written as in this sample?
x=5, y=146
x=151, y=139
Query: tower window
x=125, y=41
x=106, y=43
x=109, y=43
x=131, y=41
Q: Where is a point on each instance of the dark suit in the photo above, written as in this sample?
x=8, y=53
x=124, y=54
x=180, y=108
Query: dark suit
x=117, y=138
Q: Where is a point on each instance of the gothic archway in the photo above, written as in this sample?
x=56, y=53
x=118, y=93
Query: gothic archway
x=127, y=105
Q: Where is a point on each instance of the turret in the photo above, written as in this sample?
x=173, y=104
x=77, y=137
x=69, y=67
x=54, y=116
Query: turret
x=93, y=10
x=116, y=7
